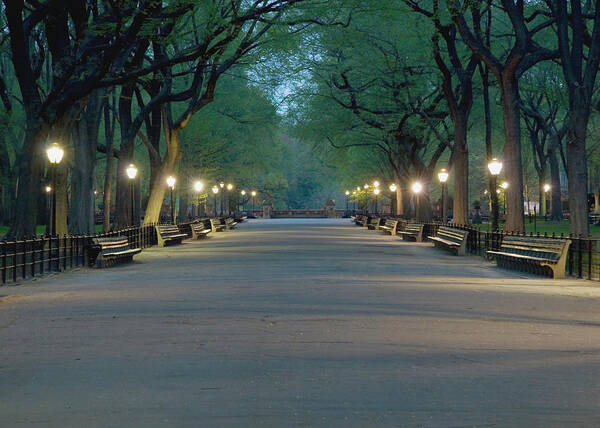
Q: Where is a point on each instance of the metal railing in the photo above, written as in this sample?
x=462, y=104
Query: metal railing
x=583, y=260
x=36, y=256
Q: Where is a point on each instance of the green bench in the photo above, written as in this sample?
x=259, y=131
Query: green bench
x=389, y=226
x=546, y=256
x=108, y=251
x=201, y=229
x=169, y=234
x=450, y=239
x=413, y=231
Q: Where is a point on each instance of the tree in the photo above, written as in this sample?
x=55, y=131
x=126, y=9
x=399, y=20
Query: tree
x=508, y=67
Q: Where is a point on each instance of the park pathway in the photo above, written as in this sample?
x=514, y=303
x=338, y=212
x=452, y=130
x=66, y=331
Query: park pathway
x=300, y=323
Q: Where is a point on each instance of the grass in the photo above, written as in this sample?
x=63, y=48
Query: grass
x=542, y=227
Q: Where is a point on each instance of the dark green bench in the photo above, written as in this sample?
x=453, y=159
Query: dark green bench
x=412, y=231
x=201, y=229
x=374, y=223
x=546, y=256
x=108, y=251
x=450, y=239
x=389, y=226
x=169, y=234
x=216, y=225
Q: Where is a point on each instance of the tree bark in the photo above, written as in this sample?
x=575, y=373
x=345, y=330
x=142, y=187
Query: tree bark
x=556, y=205
x=109, y=131
x=577, y=166
x=512, y=153
x=158, y=185
x=460, y=156
x=83, y=171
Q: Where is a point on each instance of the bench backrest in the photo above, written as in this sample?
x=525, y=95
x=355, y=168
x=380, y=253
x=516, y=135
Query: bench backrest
x=168, y=230
x=414, y=227
x=113, y=244
x=544, y=248
x=389, y=222
x=229, y=220
x=453, y=235
x=200, y=226
x=374, y=220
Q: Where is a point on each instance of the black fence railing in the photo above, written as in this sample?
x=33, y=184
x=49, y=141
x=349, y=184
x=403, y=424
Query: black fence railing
x=583, y=260
x=28, y=258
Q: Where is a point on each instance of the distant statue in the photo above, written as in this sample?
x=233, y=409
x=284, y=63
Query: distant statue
x=330, y=208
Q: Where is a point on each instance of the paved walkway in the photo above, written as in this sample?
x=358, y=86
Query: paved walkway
x=300, y=323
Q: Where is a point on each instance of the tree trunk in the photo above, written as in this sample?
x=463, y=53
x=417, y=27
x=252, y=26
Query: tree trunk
x=541, y=183
x=158, y=185
x=30, y=163
x=399, y=205
x=512, y=154
x=109, y=131
x=556, y=204
x=460, y=155
x=123, y=193
x=83, y=171
x=577, y=166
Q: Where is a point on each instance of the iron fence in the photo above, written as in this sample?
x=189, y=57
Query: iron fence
x=35, y=256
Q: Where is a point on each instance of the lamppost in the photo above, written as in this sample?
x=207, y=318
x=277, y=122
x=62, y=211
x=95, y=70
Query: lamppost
x=504, y=186
x=354, y=202
x=253, y=193
x=393, y=188
x=376, y=192
x=215, y=190
x=347, y=193
x=547, y=188
x=48, y=189
x=222, y=185
x=198, y=187
x=443, y=177
x=243, y=193
x=417, y=188
x=171, y=183
x=132, y=173
x=229, y=189
x=495, y=167
x=55, y=155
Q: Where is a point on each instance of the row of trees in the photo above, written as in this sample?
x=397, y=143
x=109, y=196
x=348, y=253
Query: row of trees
x=103, y=79
x=408, y=87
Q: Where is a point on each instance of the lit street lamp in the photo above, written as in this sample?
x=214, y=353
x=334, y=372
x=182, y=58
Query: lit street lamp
x=222, y=185
x=347, y=200
x=376, y=191
x=243, y=193
x=229, y=189
x=171, y=183
x=253, y=193
x=55, y=155
x=495, y=167
x=132, y=173
x=417, y=188
x=198, y=187
x=215, y=190
x=443, y=177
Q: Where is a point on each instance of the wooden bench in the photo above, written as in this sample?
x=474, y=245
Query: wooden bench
x=169, y=234
x=361, y=220
x=534, y=255
x=240, y=218
x=373, y=223
x=230, y=223
x=216, y=225
x=201, y=229
x=413, y=231
x=454, y=240
x=109, y=251
x=389, y=226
